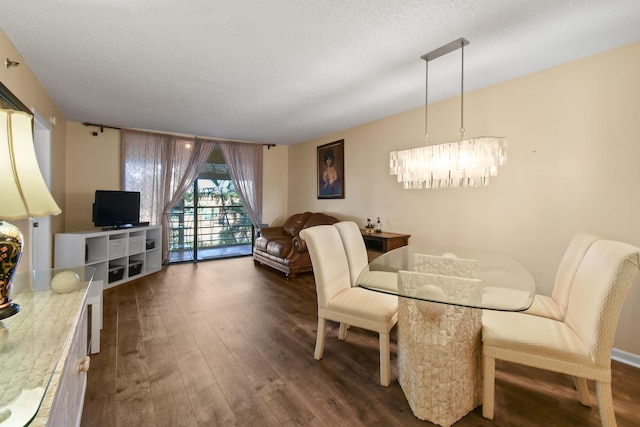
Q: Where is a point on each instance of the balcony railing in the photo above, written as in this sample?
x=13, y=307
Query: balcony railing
x=210, y=226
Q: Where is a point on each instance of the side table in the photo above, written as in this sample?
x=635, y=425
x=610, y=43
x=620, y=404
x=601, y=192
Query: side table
x=384, y=242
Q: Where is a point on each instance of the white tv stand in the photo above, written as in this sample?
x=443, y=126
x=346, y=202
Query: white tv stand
x=117, y=255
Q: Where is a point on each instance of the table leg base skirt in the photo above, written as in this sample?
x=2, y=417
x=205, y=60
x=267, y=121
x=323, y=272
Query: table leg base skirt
x=439, y=359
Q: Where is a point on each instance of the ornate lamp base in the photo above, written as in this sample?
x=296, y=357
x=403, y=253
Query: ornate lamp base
x=10, y=253
x=9, y=310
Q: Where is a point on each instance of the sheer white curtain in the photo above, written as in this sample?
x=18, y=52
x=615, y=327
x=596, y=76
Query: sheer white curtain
x=189, y=158
x=161, y=167
x=144, y=158
x=245, y=167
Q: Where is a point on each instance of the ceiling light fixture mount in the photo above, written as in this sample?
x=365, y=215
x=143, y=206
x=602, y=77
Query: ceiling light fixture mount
x=463, y=163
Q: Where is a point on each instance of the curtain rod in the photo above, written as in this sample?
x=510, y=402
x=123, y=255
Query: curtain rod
x=102, y=127
x=99, y=126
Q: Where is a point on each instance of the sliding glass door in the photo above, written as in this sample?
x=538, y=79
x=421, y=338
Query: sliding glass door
x=210, y=221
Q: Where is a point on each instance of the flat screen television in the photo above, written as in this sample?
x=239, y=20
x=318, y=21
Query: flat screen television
x=116, y=209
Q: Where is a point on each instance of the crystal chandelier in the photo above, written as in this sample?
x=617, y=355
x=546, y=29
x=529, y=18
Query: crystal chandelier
x=463, y=163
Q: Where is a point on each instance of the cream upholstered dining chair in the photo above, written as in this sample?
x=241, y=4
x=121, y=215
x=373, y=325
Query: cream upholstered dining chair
x=580, y=344
x=354, y=247
x=555, y=306
x=338, y=301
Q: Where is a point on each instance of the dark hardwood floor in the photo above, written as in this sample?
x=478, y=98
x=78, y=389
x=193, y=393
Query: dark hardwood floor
x=228, y=343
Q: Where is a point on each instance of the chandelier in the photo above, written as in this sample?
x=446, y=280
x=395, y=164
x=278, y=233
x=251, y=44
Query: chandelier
x=463, y=163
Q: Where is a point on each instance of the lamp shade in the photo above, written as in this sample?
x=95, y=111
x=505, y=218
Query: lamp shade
x=24, y=193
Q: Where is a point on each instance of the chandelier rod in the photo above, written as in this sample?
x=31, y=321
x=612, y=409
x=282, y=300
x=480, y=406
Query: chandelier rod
x=426, y=101
x=434, y=54
x=462, y=93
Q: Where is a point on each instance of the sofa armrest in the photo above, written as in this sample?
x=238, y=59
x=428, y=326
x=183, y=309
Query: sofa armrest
x=299, y=244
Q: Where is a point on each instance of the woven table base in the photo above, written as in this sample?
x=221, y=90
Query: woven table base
x=439, y=359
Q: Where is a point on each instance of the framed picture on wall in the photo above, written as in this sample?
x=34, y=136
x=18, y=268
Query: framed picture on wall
x=331, y=170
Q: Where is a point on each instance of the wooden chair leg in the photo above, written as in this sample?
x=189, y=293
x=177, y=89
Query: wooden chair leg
x=342, y=332
x=320, y=339
x=583, y=391
x=489, y=385
x=385, y=360
x=605, y=404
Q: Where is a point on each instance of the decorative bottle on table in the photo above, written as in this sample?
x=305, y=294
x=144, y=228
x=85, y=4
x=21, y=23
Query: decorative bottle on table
x=378, y=227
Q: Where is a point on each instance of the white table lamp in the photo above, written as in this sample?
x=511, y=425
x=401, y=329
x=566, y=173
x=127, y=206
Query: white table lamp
x=23, y=194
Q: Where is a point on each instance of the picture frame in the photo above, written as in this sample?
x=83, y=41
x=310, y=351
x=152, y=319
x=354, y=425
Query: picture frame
x=330, y=164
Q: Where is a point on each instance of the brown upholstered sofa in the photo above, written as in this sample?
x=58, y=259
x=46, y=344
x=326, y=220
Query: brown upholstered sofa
x=283, y=249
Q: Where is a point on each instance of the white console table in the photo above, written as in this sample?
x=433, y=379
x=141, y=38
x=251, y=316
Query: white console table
x=43, y=350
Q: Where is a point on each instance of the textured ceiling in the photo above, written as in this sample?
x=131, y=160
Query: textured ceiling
x=282, y=71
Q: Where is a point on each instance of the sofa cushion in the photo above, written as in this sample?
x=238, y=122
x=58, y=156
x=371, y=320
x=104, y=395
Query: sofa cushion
x=261, y=244
x=294, y=223
x=279, y=247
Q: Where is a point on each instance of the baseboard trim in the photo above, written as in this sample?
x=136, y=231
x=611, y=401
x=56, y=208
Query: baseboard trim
x=626, y=358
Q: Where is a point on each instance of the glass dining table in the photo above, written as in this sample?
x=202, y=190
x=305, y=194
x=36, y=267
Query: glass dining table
x=442, y=292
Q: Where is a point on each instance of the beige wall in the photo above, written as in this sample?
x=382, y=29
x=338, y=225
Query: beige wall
x=23, y=84
x=274, y=185
x=93, y=163
x=572, y=166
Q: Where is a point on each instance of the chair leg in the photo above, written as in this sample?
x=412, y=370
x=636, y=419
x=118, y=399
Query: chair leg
x=605, y=404
x=489, y=385
x=342, y=332
x=320, y=339
x=385, y=360
x=583, y=391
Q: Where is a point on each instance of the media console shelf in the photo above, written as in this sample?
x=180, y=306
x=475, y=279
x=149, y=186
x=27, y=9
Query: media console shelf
x=117, y=255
